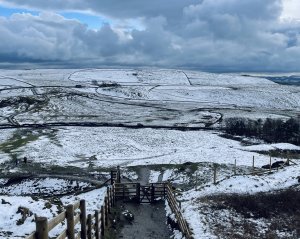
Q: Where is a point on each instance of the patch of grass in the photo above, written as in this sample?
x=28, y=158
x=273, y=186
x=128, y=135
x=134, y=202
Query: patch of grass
x=18, y=140
x=281, y=211
x=21, y=137
x=292, y=154
x=263, y=205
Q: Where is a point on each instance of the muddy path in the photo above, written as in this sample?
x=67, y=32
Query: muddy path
x=149, y=222
x=149, y=219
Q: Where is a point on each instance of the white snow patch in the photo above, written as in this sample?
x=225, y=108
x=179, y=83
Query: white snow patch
x=154, y=175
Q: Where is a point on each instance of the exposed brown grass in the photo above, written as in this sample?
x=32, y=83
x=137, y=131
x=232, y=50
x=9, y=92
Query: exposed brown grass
x=240, y=216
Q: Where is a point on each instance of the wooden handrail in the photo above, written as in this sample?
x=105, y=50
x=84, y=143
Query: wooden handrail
x=77, y=219
x=56, y=220
x=62, y=235
x=76, y=205
x=95, y=224
x=176, y=210
x=31, y=236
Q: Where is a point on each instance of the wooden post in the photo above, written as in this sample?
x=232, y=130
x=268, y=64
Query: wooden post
x=114, y=194
x=106, y=210
x=123, y=192
x=215, y=173
x=83, y=219
x=138, y=192
x=89, y=226
x=270, y=164
x=118, y=175
x=70, y=222
x=97, y=235
x=253, y=160
x=111, y=197
x=196, y=183
x=111, y=177
x=234, y=169
x=102, y=221
x=41, y=224
x=152, y=193
x=108, y=200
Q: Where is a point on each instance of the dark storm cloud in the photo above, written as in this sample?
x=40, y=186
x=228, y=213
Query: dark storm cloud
x=210, y=34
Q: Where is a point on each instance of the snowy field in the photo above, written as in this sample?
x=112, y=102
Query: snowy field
x=86, y=121
x=74, y=146
x=202, y=215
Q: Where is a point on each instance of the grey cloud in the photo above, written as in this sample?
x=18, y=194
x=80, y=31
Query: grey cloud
x=113, y=8
x=210, y=34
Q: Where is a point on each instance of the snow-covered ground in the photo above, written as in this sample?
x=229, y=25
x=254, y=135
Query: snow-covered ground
x=47, y=186
x=165, y=99
x=193, y=201
x=145, y=93
x=74, y=146
x=9, y=216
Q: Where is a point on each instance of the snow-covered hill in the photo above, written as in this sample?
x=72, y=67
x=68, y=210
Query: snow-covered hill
x=88, y=120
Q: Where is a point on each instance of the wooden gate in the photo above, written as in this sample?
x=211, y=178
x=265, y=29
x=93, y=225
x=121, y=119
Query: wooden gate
x=140, y=193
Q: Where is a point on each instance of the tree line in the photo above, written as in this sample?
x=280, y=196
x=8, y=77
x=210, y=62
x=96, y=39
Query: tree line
x=270, y=130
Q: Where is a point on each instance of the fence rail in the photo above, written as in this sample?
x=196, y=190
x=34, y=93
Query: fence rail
x=92, y=226
x=176, y=209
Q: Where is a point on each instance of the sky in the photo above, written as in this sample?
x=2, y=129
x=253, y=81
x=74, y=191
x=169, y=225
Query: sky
x=211, y=35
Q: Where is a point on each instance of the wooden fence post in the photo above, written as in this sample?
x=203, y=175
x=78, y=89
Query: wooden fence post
x=106, y=210
x=110, y=197
x=253, y=163
x=234, y=169
x=108, y=200
x=97, y=224
x=83, y=219
x=196, y=182
x=102, y=221
x=138, y=192
x=114, y=194
x=270, y=164
x=111, y=177
x=215, y=173
x=89, y=226
x=118, y=175
x=70, y=222
x=41, y=224
x=152, y=193
x=123, y=192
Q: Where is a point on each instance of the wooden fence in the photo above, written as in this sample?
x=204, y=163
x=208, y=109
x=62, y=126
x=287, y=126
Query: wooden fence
x=93, y=226
x=140, y=193
x=176, y=209
x=115, y=176
x=78, y=223
x=135, y=192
